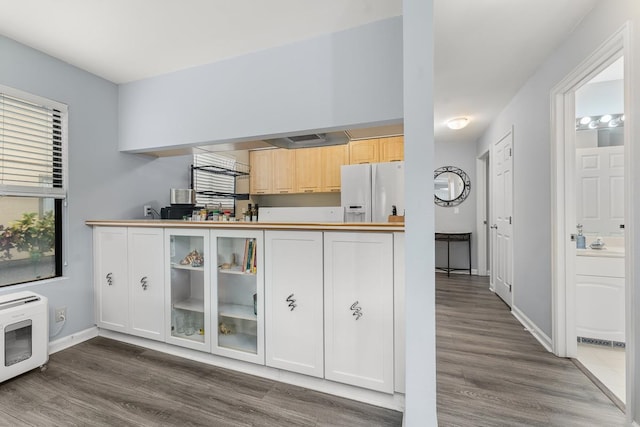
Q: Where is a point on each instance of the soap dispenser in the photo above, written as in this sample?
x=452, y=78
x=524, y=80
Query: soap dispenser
x=580, y=239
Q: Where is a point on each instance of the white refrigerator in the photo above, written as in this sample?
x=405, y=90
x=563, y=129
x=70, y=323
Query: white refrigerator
x=369, y=191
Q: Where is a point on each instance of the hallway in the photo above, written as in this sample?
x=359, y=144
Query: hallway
x=491, y=372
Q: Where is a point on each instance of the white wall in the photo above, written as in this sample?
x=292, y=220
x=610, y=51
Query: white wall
x=340, y=80
x=462, y=155
x=529, y=113
x=103, y=183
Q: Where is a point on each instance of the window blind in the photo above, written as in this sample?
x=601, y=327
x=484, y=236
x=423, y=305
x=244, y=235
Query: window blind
x=204, y=180
x=32, y=153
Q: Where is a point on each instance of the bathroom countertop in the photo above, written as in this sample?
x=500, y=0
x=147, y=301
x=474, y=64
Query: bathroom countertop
x=607, y=251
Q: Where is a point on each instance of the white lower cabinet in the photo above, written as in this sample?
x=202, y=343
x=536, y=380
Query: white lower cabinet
x=129, y=280
x=111, y=278
x=187, y=292
x=316, y=303
x=358, y=299
x=600, y=297
x=146, y=282
x=237, y=294
x=293, y=301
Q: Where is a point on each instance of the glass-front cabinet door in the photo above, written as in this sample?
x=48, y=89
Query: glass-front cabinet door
x=188, y=304
x=237, y=294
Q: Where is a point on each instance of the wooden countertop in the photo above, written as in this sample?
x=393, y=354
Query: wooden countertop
x=353, y=226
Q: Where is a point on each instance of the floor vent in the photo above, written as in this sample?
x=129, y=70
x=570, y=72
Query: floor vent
x=603, y=343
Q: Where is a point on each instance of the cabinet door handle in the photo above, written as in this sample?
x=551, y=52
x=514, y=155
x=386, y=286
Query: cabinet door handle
x=357, y=310
x=109, y=277
x=291, y=301
x=143, y=283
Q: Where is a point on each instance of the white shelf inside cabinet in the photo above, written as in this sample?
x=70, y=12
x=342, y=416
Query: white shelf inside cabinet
x=237, y=311
x=191, y=304
x=195, y=337
x=186, y=267
x=235, y=270
x=240, y=342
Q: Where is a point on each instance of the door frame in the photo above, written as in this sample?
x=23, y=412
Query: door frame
x=563, y=224
x=482, y=219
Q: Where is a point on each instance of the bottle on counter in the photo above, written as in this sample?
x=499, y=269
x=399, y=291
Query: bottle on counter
x=249, y=214
x=256, y=212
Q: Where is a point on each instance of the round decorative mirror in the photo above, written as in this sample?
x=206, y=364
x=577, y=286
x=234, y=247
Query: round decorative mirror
x=451, y=186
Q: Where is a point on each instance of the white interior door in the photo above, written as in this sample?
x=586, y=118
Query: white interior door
x=502, y=215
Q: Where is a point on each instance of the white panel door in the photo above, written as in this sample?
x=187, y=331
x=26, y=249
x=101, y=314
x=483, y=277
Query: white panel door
x=293, y=301
x=146, y=282
x=110, y=278
x=600, y=189
x=358, y=299
x=502, y=213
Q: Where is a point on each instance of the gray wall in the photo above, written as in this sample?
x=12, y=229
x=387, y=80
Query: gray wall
x=463, y=156
x=420, y=357
x=103, y=183
x=529, y=113
x=345, y=79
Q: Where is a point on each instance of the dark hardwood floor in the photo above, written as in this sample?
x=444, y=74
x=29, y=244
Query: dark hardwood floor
x=491, y=372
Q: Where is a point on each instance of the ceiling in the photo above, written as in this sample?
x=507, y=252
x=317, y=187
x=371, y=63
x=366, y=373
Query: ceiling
x=484, y=50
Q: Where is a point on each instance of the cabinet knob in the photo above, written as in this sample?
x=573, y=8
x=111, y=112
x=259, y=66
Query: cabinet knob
x=291, y=301
x=143, y=283
x=357, y=310
x=109, y=277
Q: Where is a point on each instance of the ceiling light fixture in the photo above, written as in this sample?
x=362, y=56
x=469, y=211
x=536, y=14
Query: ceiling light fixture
x=457, y=123
x=605, y=118
x=585, y=120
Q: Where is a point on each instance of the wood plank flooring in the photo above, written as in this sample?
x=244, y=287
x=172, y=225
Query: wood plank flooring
x=102, y=382
x=493, y=373
x=490, y=373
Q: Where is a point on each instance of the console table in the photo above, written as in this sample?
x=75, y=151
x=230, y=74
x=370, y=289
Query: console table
x=454, y=237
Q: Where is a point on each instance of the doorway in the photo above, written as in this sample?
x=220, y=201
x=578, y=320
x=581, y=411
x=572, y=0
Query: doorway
x=590, y=319
x=599, y=206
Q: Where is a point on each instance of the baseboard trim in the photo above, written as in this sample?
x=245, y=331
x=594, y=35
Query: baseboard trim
x=73, y=339
x=533, y=329
x=389, y=401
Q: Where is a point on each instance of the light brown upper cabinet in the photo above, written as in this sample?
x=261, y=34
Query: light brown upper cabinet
x=364, y=151
x=332, y=158
x=284, y=171
x=392, y=149
x=309, y=170
x=261, y=178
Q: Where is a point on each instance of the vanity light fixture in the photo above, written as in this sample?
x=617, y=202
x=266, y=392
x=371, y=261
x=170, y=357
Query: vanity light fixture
x=612, y=120
x=457, y=123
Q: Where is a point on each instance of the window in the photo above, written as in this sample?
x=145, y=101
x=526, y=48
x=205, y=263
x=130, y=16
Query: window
x=33, y=143
x=216, y=179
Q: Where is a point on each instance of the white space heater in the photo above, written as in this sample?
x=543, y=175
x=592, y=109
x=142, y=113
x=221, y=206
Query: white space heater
x=25, y=333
